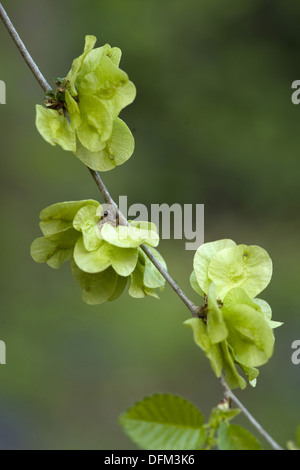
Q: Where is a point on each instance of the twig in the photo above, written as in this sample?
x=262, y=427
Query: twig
x=22, y=48
x=229, y=394
x=109, y=200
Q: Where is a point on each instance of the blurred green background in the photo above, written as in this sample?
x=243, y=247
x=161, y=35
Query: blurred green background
x=214, y=124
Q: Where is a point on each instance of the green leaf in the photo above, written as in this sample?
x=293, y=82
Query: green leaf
x=117, y=149
x=58, y=217
x=201, y=338
x=249, y=267
x=203, y=257
x=96, y=288
x=234, y=437
x=54, y=128
x=164, y=422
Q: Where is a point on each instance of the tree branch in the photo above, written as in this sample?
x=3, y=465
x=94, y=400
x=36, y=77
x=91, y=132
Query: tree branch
x=228, y=394
x=22, y=48
x=109, y=200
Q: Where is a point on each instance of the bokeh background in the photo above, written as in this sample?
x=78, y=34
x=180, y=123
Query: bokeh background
x=214, y=124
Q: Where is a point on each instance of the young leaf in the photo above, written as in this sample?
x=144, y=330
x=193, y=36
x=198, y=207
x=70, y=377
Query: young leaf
x=164, y=422
x=234, y=437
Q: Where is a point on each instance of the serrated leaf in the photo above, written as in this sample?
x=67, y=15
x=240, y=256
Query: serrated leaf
x=164, y=422
x=54, y=128
x=234, y=437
